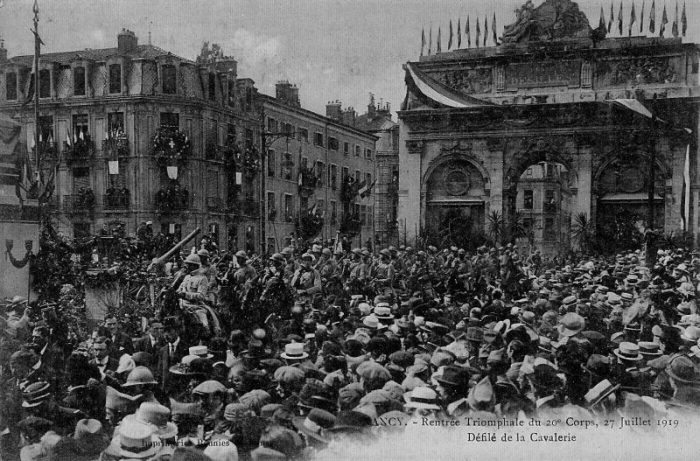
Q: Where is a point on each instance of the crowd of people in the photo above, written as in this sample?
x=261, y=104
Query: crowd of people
x=349, y=341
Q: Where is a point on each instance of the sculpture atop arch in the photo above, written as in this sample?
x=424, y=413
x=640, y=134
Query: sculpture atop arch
x=553, y=19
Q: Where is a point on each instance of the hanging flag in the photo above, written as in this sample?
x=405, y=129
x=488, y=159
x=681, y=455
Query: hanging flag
x=422, y=41
x=75, y=138
x=467, y=33
x=685, y=196
x=459, y=33
x=367, y=190
x=652, y=17
x=674, y=27
x=493, y=30
x=337, y=245
x=449, y=42
x=633, y=19
x=172, y=172
x=81, y=136
x=239, y=178
x=114, y=168
x=439, y=39
x=68, y=141
x=430, y=41
x=612, y=17
x=664, y=21
x=486, y=29
x=641, y=19
x=684, y=21
x=478, y=32
x=601, y=21
x=619, y=19
x=313, y=210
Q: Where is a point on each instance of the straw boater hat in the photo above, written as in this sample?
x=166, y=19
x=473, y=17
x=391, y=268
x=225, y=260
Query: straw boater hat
x=201, y=352
x=294, y=351
x=90, y=437
x=628, y=351
x=136, y=440
x=421, y=397
x=157, y=416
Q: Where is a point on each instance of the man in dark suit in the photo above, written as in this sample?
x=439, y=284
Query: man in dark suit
x=153, y=341
x=170, y=354
x=102, y=360
x=121, y=343
x=51, y=359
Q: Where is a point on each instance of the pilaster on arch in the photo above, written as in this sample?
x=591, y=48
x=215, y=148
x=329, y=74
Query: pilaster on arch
x=463, y=156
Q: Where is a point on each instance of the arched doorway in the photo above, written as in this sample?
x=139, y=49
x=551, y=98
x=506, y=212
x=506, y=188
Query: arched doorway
x=543, y=206
x=622, y=188
x=455, y=211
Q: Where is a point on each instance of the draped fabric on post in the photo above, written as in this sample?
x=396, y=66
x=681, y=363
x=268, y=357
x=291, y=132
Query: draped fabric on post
x=440, y=93
x=11, y=158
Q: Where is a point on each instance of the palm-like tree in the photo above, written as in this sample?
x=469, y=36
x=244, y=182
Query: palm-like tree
x=495, y=227
x=582, y=232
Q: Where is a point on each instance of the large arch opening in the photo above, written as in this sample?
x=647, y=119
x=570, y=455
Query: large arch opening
x=455, y=205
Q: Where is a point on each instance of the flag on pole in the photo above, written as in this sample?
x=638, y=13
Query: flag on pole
x=113, y=166
x=68, y=141
x=422, y=41
x=601, y=21
x=313, y=210
x=493, y=30
x=81, y=136
x=478, y=33
x=449, y=42
x=486, y=29
x=633, y=19
x=367, y=189
x=674, y=27
x=612, y=17
x=619, y=19
x=467, y=33
x=684, y=21
x=430, y=40
x=641, y=19
x=652, y=17
x=337, y=246
x=685, y=197
x=664, y=21
x=439, y=39
x=459, y=33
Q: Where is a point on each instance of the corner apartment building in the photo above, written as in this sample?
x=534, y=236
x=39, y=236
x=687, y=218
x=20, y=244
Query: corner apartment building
x=137, y=133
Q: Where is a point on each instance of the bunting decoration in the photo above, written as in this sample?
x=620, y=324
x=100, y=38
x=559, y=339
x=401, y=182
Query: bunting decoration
x=493, y=30
x=652, y=17
x=641, y=19
x=422, y=41
x=601, y=21
x=467, y=33
x=459, y=33
x=619, y=19
x=664, y=21
x=439, y=39
x=449, y=41
x=674, y=26
x=684, y=21
x=633, y=19
x=612, y=17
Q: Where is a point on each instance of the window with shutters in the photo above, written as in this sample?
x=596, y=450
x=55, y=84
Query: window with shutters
x=169, y=72
x=11, y=86
x=115, y=78
x=357, y=150
x=45, y=83
x=79, y=81
x=80, y=126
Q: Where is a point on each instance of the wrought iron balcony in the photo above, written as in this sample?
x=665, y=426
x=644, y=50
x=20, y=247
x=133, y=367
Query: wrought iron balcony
x=79, y=203
x=116, y=202
x=117, y=147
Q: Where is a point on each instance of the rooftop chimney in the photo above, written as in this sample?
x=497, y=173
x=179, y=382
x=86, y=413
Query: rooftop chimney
x=371, y=106
x=334, y=110
x=286, y=93
x=3, y=51
x=127, y=41
x=349, y=115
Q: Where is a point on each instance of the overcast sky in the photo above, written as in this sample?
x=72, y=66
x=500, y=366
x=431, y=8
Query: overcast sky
x=332, y=49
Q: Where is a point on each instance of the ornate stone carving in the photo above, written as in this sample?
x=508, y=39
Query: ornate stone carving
x=468, y=81
x=415, y=146
x=456, y=180
x=553, y=19
x=457, y=147
x=634, y=72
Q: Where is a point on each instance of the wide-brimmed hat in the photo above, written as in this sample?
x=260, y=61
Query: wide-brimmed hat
x=294, y=351
x=371, y=321
x=123, y=403
x=90, y=437
x=135, y=440
x=35, y=394
x=683, y=370
x=628, y=351
x=139, y=376
x=600, y=392
x=383, y=312
x=649, y=349
x=571, y=324
x=157, y=416
x=545, y=376
x=314, y=424
x=422, y=397
x=482, y=397
x=200, y=351
x=352, y=422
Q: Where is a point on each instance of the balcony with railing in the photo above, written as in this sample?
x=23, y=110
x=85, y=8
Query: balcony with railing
x=79, y=150
x=172, y=200
x=81, y=203
x=216, y=204
x=116, y=200
x=115, y=147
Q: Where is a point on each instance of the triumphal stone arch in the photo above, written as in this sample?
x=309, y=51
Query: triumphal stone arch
x=555, y=124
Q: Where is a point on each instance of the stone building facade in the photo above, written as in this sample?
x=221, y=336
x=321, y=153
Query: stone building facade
x=137, y=133
x=539, y=131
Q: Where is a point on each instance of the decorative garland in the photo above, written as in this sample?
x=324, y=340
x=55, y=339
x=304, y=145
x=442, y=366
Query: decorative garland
x=171, y=146
x=251, y=161
x=351, y=224
x=116, y=146
x=80, y=148
x=309, y=225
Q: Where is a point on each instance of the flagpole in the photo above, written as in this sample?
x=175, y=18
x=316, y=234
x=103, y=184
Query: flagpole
x=37, y=50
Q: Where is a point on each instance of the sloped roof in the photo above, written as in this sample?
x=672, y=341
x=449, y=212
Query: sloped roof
x=375, y=123
x=65, y=57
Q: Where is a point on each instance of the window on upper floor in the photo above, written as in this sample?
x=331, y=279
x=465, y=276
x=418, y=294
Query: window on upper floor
x=80, y=126
x=231, y=134
x=79, y=81
x=346, y=148
x=272, y=126
x=303, y=134
x=169, y=79
x=170, y=120
x=333, y=143
x=528, y=202
x=334, y=177
x=11, y=86
x=358, y=149
x=318, y=139
x=320, y=172
x=46, y=128
x=271, y=163
x=248, y=138
x=45, y=83
x=115, y=124
x=368, y=153
x=115, y=78
x=212, y=86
